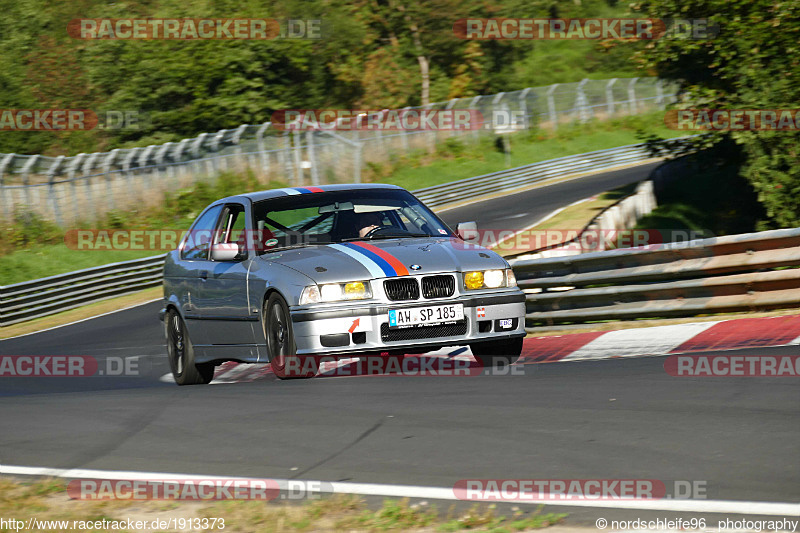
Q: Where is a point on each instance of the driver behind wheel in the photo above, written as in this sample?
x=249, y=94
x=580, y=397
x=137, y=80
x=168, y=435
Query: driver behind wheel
x=367, y=222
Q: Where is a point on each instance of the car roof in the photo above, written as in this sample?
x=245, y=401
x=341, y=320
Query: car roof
x=257, y=196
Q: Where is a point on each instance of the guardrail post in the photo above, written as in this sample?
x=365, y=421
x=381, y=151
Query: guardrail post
x=610, y=96
x=551, y=106
x=632, y=96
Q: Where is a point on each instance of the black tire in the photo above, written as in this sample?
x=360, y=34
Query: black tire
x=181, y=354
x=497, y=353
x=279, y=336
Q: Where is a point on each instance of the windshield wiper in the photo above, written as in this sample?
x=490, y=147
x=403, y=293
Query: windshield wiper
x=386, y=236
x=293, y=246
x=398, y=236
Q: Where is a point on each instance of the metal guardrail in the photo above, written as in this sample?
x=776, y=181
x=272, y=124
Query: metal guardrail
x=47, y=296
x=722, y=274
x=54, y=294
x=515, y=178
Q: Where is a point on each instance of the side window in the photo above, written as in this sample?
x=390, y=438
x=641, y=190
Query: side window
x=198, y=242
x=231, y=228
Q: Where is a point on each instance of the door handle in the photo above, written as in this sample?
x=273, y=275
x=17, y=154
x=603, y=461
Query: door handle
x=204, y=275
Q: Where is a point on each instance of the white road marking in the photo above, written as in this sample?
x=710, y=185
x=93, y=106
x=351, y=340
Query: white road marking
x=541, y=220
x=438, y=493
x=83, y=319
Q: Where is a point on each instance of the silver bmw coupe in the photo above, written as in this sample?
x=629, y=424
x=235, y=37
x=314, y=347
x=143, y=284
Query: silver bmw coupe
x=340, y=270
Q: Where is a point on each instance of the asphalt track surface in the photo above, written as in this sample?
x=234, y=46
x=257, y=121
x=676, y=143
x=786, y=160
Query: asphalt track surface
x=611, y=419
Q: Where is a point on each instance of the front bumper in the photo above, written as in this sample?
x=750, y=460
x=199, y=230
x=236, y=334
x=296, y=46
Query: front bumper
x=364, y=327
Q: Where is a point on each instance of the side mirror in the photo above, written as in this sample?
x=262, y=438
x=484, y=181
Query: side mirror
x=224, y=251
x=467, y=230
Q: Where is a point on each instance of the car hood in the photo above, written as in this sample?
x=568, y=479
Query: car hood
x=386, y=258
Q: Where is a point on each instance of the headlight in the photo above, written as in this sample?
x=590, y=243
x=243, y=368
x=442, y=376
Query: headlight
x=335, y=292
x=473, y=280
x=494, y=278
x=489, y=279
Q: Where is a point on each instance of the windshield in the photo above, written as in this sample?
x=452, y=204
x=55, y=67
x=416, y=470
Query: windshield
x=341, y=216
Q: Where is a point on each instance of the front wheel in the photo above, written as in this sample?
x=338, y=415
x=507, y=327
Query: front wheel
x=497, y=353
x=279, y=335
x=181, y=354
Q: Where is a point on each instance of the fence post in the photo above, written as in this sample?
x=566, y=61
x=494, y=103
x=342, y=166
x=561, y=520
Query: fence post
x=551, y=106
x=144, y=165
x=298, y=170
x=357, y=162
x=52, y=172
x=632, y=96
x=8, y=204
x=86, y=169
x=215, y=141
x=236, y=139
x=582, y=103
x=197, y=145
x=312, y=158
x=473, y=104
x=107, y=162
x=176, y=157
x=262, y=149
x=25, y=171
x=659, y=92
x=283, y=156
x=523, y=104
x=71, y=170
x=160, y=159
x=610, y=96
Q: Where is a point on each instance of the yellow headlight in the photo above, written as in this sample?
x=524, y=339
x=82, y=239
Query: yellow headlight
x=473, y=280
x=355, y=289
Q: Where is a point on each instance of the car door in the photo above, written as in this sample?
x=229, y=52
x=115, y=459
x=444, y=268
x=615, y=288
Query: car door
x=195, y=260
x=222, y=297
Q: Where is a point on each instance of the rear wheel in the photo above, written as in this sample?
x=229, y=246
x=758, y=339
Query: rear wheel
x=181, y=354
x=281, y=347
x=497, y=353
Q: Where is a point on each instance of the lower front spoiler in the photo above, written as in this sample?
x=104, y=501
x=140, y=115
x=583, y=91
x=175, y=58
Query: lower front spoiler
x=365, y=329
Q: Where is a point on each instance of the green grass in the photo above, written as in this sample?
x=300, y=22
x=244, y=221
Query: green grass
x=457, y=160
x=33, y=248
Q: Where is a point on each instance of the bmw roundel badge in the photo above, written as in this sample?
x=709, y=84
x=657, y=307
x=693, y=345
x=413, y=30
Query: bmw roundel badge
x=415, y=267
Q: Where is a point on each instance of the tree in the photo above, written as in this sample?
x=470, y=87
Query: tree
x=754, y=63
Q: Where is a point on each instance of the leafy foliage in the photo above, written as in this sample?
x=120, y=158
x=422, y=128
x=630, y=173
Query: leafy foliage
x=370, y=56
x=754, y=63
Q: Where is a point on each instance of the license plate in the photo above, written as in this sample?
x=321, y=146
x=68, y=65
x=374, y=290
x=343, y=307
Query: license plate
x=425, y=316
